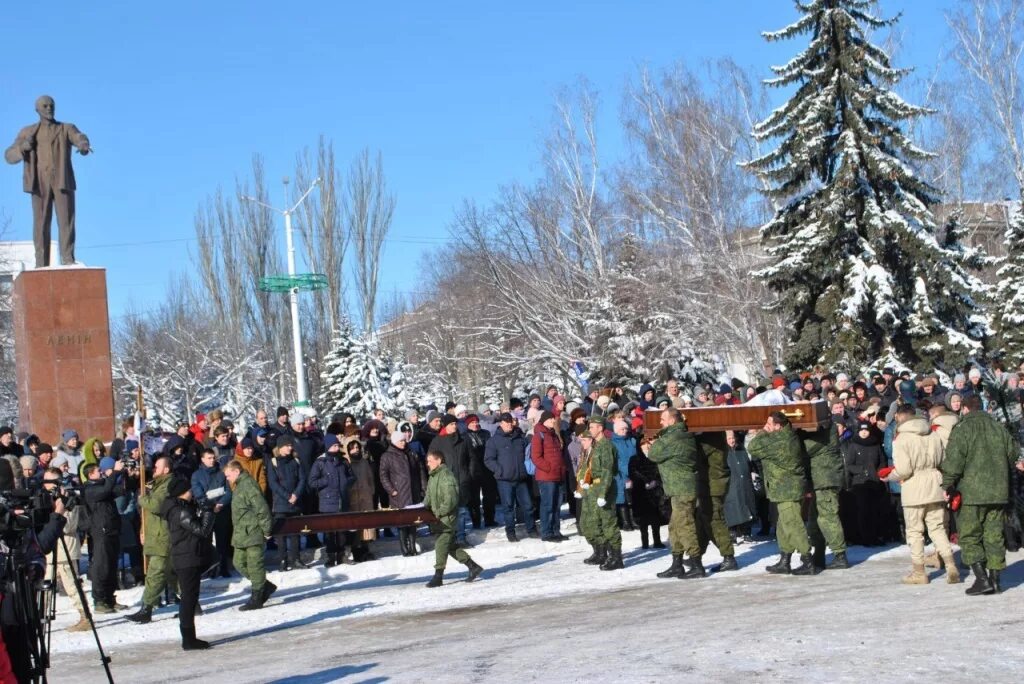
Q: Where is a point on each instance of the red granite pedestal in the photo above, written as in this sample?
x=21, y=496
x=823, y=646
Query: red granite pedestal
x=62, y=350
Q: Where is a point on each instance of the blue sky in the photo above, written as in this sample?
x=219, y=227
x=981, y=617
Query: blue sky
x=177, y=97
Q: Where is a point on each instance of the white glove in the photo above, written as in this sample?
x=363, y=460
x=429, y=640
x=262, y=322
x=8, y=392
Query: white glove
x=577, y=495
x=585, y=485
x=601, y=502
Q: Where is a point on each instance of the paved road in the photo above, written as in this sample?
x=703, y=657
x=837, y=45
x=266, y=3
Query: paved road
x=854, y=625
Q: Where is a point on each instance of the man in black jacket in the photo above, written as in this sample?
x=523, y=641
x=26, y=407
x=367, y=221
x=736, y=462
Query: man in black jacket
x=190, y=531
x=458, y=457
x=101, y=490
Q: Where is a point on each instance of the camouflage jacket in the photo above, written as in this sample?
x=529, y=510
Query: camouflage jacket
x=824, y=461
x=979, y=456
x=675, y=453
x=782, y=459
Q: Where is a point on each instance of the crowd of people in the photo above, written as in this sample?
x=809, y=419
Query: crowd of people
x=898, y=456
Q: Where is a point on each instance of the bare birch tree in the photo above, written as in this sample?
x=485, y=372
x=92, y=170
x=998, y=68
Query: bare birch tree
x=369, y=208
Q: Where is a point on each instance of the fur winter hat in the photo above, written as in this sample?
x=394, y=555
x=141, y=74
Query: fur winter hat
x=178, y=486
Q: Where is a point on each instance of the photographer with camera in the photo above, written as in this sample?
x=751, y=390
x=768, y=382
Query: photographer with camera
x=68, y=553
x=23, y=546
x=102, y=487
x=190, y=529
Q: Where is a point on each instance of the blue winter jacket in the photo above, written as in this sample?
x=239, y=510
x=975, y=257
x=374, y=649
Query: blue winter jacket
x=505, y=455
x=331, y=477
x=205, y=479
x=625, y=449
x=285, y=477
x=890, y=432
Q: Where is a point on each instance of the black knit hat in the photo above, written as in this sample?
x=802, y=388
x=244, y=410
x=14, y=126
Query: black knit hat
x=179, y=485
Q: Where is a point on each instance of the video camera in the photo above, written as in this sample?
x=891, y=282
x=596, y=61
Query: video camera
x=23, y=510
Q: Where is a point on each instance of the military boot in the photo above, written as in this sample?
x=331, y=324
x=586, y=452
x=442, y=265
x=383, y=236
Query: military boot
x=143, y=616
x=437, y=580
x=952, y=571
x=255, y=601
x=598, y=557
x=838, y=562
x=982, y=583
x=694, y=569
x=676, y=570
x=818, y=556
x=613, y=561
x=728, y=563
x=474, y=571
x=83, y=625
x=268, y=589
x=932, y=560
x=782, y=567
x=993, y=578
x=917, y=576
x=807, y=566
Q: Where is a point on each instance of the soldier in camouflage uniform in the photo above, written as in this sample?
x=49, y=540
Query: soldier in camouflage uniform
x=979, y=456
x=598, y=521
x=824, y=464
x=674, y=450
x=778, y=449
x=713, y=483
x=442, y=500
x=156, y=543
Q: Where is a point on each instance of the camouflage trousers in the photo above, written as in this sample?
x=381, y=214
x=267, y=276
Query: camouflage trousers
x=682, y=527
x=823, y=526
x=981, y=535
x=712, y=527
x=599, y=525
x=248, y=560
x=445, y=546
x=159, y=573
x=789, y=530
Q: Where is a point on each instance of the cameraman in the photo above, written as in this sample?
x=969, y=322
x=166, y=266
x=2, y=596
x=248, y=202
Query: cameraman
x=101, y=491
x=70, y=551
x=190, y=530
x=33, y=545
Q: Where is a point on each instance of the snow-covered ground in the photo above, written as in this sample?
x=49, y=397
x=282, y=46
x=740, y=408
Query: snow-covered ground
x=539, y=614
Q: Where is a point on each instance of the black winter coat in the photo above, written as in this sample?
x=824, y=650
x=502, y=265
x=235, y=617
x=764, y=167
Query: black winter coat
x=864, y=457
x=458, y=458
x=189, y=531
x=477, y=448
x=402, y=472
x=649, y=503
x=100, y=501
x=308, y=445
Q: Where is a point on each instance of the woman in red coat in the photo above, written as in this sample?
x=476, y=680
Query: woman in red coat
x=546, y=454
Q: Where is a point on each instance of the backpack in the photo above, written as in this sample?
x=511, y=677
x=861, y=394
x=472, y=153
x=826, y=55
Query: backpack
x=531, y=468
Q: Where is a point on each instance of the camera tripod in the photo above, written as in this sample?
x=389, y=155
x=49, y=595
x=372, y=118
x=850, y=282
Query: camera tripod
x=39, y=646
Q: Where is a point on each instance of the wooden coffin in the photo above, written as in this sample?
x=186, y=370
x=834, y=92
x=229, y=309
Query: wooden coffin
x=806, y=415
x=360, y=520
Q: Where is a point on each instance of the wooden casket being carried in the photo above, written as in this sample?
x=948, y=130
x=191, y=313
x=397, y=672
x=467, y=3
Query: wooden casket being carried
x=358, y=520
x=806, y=415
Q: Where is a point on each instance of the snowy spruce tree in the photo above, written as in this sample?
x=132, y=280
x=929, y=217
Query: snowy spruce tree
x=357, y=377
x=853, y=249
x=1008, y=295
x=335, y=368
